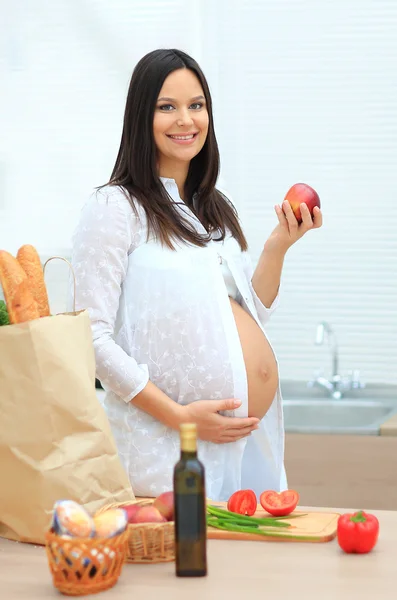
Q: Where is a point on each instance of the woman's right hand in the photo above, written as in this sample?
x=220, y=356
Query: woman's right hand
x=213, y=427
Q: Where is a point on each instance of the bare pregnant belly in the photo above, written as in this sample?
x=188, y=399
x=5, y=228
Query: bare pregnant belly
x=260, y=362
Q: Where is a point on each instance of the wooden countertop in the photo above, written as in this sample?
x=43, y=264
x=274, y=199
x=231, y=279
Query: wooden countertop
x=236, y=571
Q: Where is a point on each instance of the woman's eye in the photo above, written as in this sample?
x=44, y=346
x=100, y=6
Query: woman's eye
x=169, y=107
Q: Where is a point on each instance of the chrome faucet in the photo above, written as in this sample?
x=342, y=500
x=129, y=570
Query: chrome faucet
x=322, y=328
x=336, y=385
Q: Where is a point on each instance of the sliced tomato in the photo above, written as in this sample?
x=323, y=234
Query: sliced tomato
x=243, y=502
x=279, y=504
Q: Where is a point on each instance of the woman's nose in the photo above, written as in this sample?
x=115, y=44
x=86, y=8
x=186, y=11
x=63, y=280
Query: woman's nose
x=184, y=118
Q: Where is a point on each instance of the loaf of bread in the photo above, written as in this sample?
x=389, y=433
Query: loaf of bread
x=21, y=305
x=29, y=260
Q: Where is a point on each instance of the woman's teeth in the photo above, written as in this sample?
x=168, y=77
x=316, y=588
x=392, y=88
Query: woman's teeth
x=182, y=137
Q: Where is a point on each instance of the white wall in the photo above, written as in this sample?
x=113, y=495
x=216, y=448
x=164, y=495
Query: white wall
x=307, y=91
x=66, y=68
x=303, y=91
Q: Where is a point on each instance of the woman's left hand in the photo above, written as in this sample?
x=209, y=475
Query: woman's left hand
x=288, y=230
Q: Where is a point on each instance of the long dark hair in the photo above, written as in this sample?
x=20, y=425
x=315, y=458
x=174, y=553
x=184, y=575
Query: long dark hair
x=135, y=170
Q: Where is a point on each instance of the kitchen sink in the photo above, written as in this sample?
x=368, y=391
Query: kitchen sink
x=325, y=415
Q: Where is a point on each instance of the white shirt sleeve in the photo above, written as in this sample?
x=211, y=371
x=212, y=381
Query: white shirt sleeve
x=264, y=313
x=105, y=235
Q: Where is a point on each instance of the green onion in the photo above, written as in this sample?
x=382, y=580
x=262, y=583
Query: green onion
x=213, y=521
x=260, y=531
x=244, y=519
x=226, y=520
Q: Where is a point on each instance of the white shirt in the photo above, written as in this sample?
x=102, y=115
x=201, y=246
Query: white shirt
x=231, y=287
x=164, y=315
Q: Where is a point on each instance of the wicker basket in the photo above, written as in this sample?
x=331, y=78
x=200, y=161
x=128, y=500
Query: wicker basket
x=82, y=566
x=148, y=542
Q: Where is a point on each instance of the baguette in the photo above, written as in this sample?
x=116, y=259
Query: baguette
x=29, y=260
x=11, y=277
x=24, y=306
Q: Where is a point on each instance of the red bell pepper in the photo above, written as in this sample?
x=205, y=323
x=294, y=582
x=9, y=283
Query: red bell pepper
x=357, y=532
x=243, y=502
x=279, y=504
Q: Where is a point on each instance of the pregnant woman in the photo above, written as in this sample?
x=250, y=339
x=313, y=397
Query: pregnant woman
x=178, y=314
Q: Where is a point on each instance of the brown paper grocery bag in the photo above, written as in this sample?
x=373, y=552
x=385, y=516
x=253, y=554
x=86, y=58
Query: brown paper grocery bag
x=55, y=439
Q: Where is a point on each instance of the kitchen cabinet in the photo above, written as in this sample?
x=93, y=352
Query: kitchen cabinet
x=343, y=470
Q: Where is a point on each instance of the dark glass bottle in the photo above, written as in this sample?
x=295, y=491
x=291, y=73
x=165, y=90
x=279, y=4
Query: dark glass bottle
x=190, y=508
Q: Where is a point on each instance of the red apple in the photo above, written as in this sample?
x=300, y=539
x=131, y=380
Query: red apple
x=299, y=193
x=165, y=504
x=148, y=514
x=131, y=510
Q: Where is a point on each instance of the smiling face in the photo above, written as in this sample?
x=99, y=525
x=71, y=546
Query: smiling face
x=180, y=124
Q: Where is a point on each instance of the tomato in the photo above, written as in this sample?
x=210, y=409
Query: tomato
x=357, y=532
x=279, y=504
x=243, y=502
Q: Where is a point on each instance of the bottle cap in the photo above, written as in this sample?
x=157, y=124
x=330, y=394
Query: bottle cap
x=188, y=435
x=188, y=428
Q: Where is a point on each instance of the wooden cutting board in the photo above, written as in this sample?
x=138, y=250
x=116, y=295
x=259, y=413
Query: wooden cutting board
x=313, y=527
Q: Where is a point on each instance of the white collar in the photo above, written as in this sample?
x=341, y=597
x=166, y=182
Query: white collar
x=173, y=192
x=172, y=189
x=167, y=179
